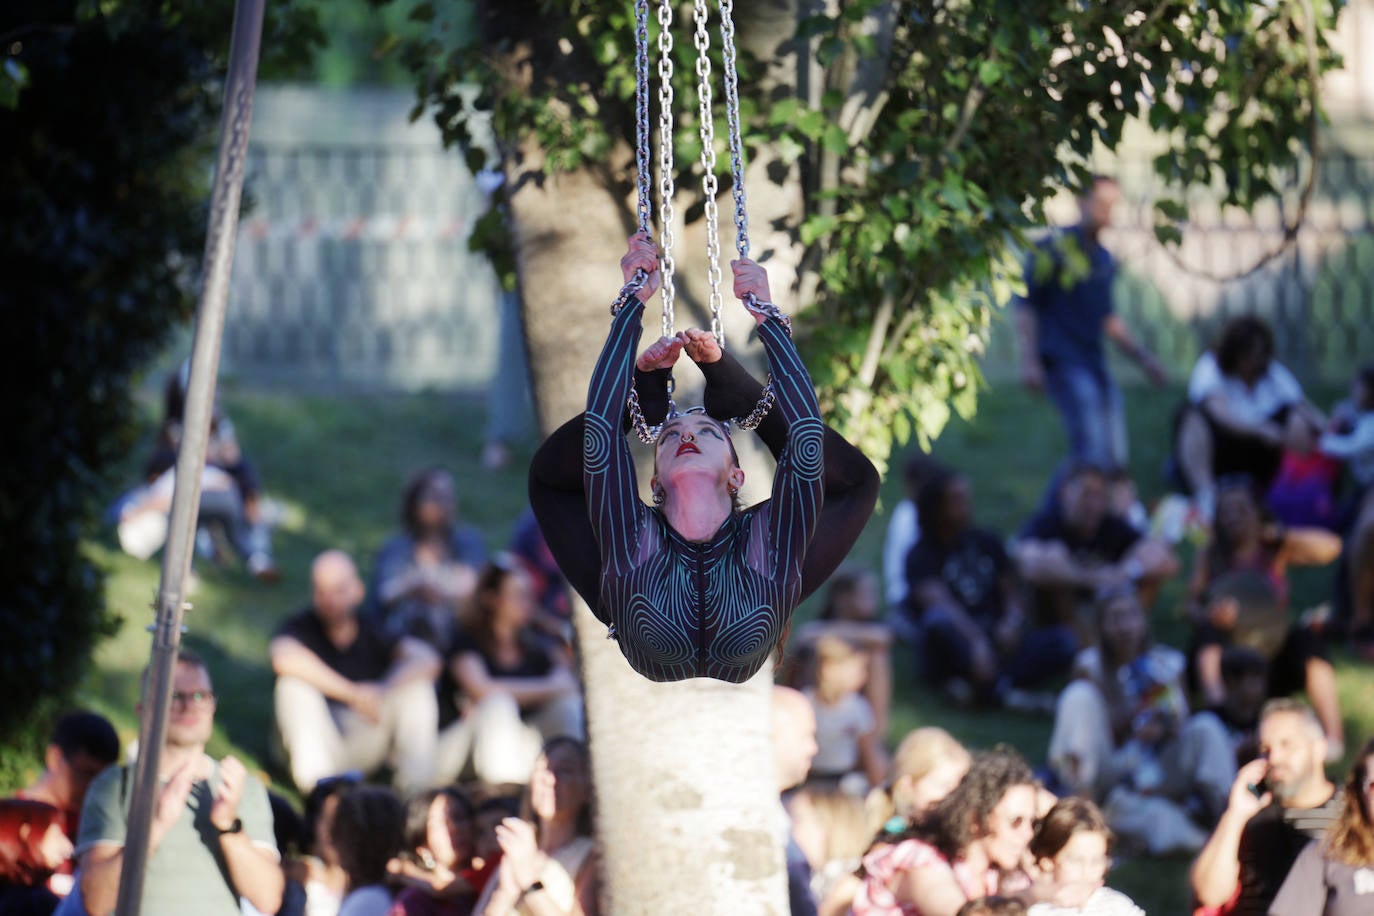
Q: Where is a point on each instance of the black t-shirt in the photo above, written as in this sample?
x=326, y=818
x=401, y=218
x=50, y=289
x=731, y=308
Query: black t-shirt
x=1269, y=845
x=1112, y=540
x=1107, y=545
x=972, y=568
x=369, y=657
x=535, y=659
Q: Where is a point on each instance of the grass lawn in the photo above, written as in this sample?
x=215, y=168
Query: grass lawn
x=339, y=464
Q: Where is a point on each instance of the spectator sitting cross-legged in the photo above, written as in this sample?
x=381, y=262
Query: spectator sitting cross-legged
x=852, y=612
x=971, y=845
x=231, y=500
x=1123, y=734
x=211, y=837
x=425, y=574
x=1334, y=875
x=1239, y=592
x=1277, y=804
x=964, y=596
x=1244, y=408
x=516, y=687
x=548, y=858
x=1077, y=546
x=348, y=696
x=851, y=756
x=39, y=826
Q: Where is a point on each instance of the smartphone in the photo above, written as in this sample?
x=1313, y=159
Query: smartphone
x=1259, y=789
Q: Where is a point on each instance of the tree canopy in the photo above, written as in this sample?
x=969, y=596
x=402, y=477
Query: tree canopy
x=928, y=134
x=108, y=116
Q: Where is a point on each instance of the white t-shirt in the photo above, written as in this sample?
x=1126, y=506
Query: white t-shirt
x=1275, y=389
x=902, y=534
x=1103, y=902
x=838, y=729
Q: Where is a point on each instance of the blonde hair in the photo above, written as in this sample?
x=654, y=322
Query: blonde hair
x=841, y=820
x=921, y=752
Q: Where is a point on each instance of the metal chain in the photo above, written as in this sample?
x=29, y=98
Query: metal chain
x=727, y=46
x=751, y=302
x=641, y=146
x=647, y=434
x=642, y=112
x=666, y=158
x=709, y=186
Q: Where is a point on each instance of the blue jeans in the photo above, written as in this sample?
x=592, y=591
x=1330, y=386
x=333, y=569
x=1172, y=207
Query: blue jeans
x=1090, y=405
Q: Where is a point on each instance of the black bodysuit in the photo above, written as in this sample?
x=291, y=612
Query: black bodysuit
x=718, y=607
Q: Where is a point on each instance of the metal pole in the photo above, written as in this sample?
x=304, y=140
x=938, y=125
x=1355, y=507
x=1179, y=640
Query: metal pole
x=200, y=399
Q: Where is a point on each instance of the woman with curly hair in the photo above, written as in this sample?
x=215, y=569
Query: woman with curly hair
x=970, y=845
x=1334, y=876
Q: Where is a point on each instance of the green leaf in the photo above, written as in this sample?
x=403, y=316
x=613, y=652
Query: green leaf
x=989, y=72
x=835, y=139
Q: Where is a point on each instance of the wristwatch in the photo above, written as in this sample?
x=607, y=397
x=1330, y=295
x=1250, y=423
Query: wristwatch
x=235, y=827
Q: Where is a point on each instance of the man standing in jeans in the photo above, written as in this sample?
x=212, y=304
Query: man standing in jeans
x=1060, y=325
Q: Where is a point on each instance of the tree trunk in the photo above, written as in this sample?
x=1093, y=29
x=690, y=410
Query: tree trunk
x=688, y=816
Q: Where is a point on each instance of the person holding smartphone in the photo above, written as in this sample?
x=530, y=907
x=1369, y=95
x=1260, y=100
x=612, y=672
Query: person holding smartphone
x=1278, y=803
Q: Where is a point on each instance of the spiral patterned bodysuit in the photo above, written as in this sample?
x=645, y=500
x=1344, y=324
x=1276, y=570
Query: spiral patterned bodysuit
x=714, y=608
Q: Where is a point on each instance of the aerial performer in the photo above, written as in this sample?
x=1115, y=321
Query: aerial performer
x=696, y=585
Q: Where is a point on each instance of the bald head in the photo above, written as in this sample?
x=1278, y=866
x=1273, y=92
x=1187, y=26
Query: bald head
x=794, y=736
x=335, y=586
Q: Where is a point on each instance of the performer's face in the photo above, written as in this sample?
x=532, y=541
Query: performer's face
x=694, y=444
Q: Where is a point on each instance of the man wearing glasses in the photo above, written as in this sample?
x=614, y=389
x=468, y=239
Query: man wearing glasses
x=211, y=840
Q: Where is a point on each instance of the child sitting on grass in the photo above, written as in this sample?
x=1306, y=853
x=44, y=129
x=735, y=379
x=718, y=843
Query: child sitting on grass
x=851, y=755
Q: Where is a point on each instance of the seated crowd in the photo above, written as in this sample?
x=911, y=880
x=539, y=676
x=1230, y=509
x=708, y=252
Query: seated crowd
x=450, y=673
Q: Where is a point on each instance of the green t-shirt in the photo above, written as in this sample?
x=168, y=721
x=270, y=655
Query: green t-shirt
x=187, y=876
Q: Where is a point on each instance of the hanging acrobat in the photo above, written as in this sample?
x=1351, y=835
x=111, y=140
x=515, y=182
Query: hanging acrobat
x=696, y=585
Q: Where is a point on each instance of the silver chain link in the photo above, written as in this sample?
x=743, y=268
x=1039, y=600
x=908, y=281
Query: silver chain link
x=642, y=112
x=709, y=182
x=709, y=186
x=666, y=157
x=727, y=46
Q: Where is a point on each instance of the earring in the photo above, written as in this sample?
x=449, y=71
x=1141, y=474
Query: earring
x=732, y=490
x=659, y=496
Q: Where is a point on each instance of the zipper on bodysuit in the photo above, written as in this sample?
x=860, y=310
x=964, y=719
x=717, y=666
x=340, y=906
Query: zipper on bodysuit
x=701, y=608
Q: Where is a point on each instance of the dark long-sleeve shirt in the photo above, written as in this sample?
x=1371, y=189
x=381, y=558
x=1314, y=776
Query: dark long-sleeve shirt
x=718, y=607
